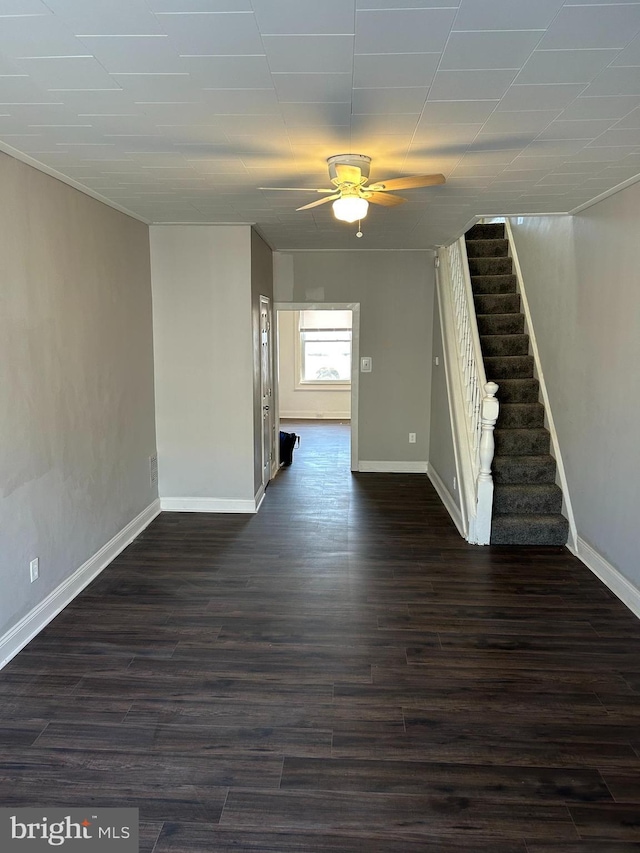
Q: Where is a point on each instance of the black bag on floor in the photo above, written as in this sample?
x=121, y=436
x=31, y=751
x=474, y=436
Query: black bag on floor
x=287, y=443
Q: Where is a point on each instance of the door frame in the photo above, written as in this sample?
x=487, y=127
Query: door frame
x=270, y=419
x=354, y=307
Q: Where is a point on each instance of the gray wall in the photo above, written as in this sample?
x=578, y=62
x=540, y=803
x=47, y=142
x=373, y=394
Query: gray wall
x=395, y=291
x=582, y=278
x=203, y=360
x=76, y=381
x=441, y=452
x=261, y=285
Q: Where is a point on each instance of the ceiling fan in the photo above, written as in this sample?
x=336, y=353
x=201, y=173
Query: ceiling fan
x=352, y=192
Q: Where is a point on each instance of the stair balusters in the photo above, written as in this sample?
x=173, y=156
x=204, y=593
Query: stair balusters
x=475, y=432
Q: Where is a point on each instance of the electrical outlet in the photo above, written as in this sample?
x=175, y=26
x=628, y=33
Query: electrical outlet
x=412, y=438
x=455, y=484
x=34, y=569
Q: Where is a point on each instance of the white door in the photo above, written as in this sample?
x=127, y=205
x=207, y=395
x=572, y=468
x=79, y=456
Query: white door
x=266, y=389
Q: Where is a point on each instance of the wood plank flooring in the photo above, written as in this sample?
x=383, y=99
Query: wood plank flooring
x=339, y=674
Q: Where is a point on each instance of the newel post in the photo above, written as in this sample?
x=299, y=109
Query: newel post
x=489, y=416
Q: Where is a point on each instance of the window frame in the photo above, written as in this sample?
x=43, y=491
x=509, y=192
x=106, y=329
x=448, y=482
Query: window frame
x=302, y=384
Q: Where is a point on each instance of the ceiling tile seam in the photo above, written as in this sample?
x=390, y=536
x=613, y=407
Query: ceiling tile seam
x=578, y=49
x=437, y=69
x=122, y=35
x=303, y=35
x=291, y=152
x=501, y=32
x=221, y=55
x=403, y=53
x=353, y=74
x=187, y=14
x=56, y=56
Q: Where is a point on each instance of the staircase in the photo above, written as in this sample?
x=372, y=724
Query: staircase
x=527, y=502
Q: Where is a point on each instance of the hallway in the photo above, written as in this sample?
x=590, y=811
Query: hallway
x=340, y=673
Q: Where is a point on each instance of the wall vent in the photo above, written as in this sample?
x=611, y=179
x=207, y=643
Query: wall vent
x=153, y=469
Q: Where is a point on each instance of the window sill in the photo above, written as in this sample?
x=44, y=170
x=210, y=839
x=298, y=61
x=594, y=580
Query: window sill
x=323, y=386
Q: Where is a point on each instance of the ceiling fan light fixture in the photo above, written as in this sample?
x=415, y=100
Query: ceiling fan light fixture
x=350, y=208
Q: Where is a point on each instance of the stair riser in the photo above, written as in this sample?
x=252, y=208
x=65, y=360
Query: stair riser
x=487, y=248
x=490, y=266
x=493, y=283
x=518, y=391
x=521, y=416
x=497, y=303
x=523, y=530
x=547, y=500
x=521, y=442
x=489, y=231
x=509, y=367
x=497, y=345
x=500, y=324
x=517, y=470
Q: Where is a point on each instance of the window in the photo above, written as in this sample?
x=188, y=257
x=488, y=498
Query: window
x=324, y=348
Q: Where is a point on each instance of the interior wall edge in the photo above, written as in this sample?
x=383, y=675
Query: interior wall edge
x=446, y=497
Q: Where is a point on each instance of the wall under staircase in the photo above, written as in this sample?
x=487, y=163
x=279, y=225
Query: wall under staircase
x=527, y=501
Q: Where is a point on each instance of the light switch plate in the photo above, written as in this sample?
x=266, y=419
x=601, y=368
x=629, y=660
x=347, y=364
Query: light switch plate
x=366, y=364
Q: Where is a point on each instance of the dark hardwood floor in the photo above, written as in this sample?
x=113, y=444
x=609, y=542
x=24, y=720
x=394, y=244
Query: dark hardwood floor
x=339, y=674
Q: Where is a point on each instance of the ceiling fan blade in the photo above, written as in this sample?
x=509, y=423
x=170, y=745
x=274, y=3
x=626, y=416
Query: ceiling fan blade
x=409, y=183
x=348, y=174
x=319, y=202
x=385, y=199
x=298, y=189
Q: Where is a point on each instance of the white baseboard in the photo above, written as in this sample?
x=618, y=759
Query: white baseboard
x=392, y=467
x=26, y=629
x=609, y=575
x=259, y=498
x=207, y=505
x=447, y=499
x=315, y=416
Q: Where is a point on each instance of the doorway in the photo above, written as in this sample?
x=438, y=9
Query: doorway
x=309, y=373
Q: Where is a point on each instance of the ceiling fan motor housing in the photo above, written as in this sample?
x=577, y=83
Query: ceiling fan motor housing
x=359, y=161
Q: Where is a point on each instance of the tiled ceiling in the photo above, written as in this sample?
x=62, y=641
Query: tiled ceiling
x=179, y=110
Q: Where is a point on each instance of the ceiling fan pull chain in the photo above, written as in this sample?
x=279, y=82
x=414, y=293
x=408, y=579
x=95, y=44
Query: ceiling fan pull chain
x=359, y=231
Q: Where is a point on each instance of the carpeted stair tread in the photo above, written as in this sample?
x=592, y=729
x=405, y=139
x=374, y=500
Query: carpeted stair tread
x=521, y=442
x=527, y=502
x=500, y=324
x=486, y=231
x=518, y=391
x=536, y=498
x=524, y=469
x=520, y=529
x=487, y=248
x=521, y=415
x=496, y=345
x=508, y=367
x=490, y=266
x=497, y=303
x=493, y=283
